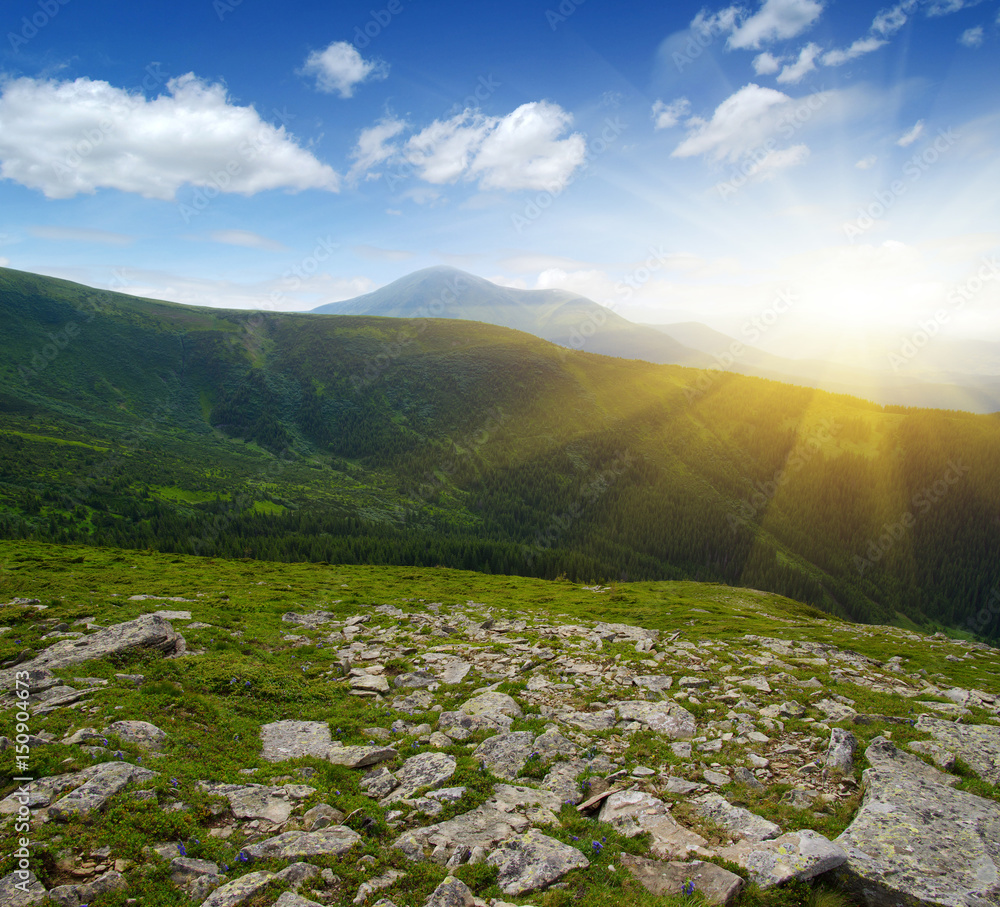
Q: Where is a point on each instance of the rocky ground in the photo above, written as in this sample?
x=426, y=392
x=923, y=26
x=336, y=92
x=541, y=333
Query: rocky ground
x=507, y=757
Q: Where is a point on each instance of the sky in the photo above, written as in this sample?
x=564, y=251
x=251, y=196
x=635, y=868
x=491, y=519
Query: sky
x=818, y=168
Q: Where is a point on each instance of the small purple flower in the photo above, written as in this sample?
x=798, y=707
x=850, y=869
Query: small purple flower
x=174, y=782
x=182, y=849
x=688, y=887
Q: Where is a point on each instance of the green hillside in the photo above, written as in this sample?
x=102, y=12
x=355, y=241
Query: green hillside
x=143, y=424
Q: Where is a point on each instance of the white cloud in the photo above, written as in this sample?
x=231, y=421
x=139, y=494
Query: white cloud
x=667, y=115
x=68, y=138
x=739, y=123
x=947, y=7
x=859, y=48
x=247, y=239
x=339, y=68
x=972, y=37
x=911, y=135
x=523, y=150
x=720, y=23
x=889, y=21
x=80, y=234
x=794, y=72
x=766, y=63
x=776, y=19
x=443, y=151
x=4, y=262
x=866, y=163
x=779, y=159
x=372, y=148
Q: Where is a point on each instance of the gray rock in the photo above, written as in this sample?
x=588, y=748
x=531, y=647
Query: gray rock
x=294, y=845
x=422, y=770
x=416, y=679
x=656, y=683
x=454, y=671
x=379, y=782
x=239, y=890
x=142, y=734
x=482, y=827
x=665, y=717
x=322, y=815
x=801, y=855
x=102, y=782
x=84, y=735
x=743, y=775
x=255, y=801
x=451, y=892
x=739, y=822
x=291, y=739
x=290, y=899
x=21, y=890
x=372, y=683
x=601, y=720
x=148, y=633
x=461, y=725
x=978, y=745
x=492, y=704
x=506, y=754
x=380, y=883
x=917, y=840
x=552, y=744
x=840, y=752
x=360, y=756
x=77, y=895
x=715, y=884
x=717, y=778
x=634, y=812
x=836, y=711
x=297, y=873
x=532, y=861
x=187, y=869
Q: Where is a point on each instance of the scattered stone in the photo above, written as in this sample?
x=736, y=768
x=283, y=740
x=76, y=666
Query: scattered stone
x=18, y=891
x=800, y=856
x=451, y=892
x=665, y=717
x=256, y=801
x=360, y=756
x=835, y=711
x=142, y=734
x=292, y=739
x=715, y=884
x=289, y=899
x=978, y=745
x=294, y=845
x=840, y=752
x=422, y=770
x=716, y=778
x=634, y=812
x=239, y=890
x=739, y=822
x=100, y=784
x=506, y=754
x=532, y=861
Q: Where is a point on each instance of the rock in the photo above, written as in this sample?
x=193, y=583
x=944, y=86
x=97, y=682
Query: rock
x=492, y=704
x=21, y=890
x=739, y=822
x=461, y=725
x=655, y=683
x=100, y=784
x=239, y=890
x=800, y=856
x=602, y=720
x=297, y=873
x=743, y=775
x=506, y=754
x=943, y=759
x=665, y=717
x=416, y=679
x=532, y=861
x=289, y=899
x=840, y=752
x=551, y=744
x=454, y=671
x=917, y=840
x=360, y=756
x=422, y=770
x=255, y=801
x=142, y=734
x=84, y=735
x=372, y=683
x=451, y=893
x=716, y=778
x=187, y=869
x=379, y=782
x=835, y=711
x=82, y=895
x=294, y=845
x=148, y=632
x=634, y=812
x=380, y=883
x=978, y=745
x=715, y=884
x=291, y=739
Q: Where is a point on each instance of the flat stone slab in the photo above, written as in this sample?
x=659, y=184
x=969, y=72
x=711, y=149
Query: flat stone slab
x=917, y=840
x=257, y=801
x=715, y=884
x=800, y=856
x=978, y=745
x=532, y=861
x=239, y=890
x=451, y=892
x=461, y=725
x=739, y=822
x=17, y=890
x=635, y=812
x=292, y=739
x=506, y=754
x=492, y=704
x=664, y=717
x=100, y=784
x=422, y=770
x=295, y=845
x=360, y=756
x=142, y=734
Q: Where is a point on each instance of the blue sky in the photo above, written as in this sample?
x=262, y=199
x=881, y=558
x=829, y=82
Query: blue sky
x=673, y=161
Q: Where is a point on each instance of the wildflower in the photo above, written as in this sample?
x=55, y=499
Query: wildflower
x=174, y=782
x=688, y=887
x=597, y=846
x=247, y=684
x=182, y=849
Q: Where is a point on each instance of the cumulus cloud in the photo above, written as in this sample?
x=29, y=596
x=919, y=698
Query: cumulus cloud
x=667, y=115
x=776, y=19
x=73, y=137
x=972, y=37
x=339, y=68
x=739, y=124
x=766, y=63
x=720, y=23
x=526, y=149
x=805, y=64
x=911, y=135
x=866, y=163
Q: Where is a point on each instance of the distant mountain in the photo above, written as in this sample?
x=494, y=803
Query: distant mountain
x=558, y=316
x=575, y=322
